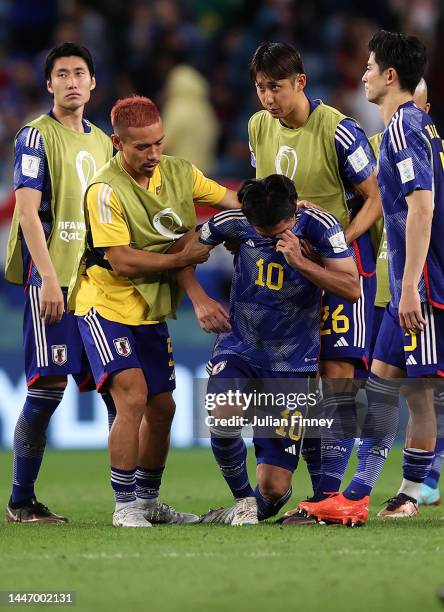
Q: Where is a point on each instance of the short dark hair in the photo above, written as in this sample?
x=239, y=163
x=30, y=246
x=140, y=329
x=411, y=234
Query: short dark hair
x=68, y=49
x=406, y=54
x=276, y=60
x=268, y=201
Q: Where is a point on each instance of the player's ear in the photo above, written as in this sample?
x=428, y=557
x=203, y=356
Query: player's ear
x=391, y=75
x=49, y=86
x=300, y=82
x=117, y=143
x=93, y=83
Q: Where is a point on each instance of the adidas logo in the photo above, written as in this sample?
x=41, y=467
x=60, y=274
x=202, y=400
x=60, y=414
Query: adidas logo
x=292, y=450
x=341, y=342
x=411, y=361
x=250, y=243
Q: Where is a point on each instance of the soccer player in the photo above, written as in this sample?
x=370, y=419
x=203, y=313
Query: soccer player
x=137, y=206
x=429, y=491
x=55, y=157
x=411, y=339
x=275, y=333
x=329, y=158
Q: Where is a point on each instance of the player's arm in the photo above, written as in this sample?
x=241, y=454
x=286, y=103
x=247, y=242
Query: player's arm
x=211, y=315
x=411, y=159
x=110, y=231
x=337, y=275
x=30, y=169
x=51, y=297
x=370, y=212
x=207, y=192
x=357, y=164
x=418, y=230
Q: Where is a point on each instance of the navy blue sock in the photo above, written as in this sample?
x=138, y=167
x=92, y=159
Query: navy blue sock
x=378, y=435
x=231, y=456
x=30, y=439
x=417, y=463
x=111, y=408
x=311, y=451
x=148, y=482
x=123, y=483
x=337, y=443
x=267, y=508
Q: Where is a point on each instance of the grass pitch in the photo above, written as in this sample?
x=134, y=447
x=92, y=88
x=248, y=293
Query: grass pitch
x=382, y=566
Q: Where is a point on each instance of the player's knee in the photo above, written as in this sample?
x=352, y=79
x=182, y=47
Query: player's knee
x=133, y=406
x=272, y=489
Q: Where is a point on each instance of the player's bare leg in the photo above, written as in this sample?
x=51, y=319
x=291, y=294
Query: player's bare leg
x=129, y=392
x=154, y=443
x=419, y=449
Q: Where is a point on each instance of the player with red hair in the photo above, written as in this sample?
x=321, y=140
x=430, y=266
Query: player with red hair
x=137, y=206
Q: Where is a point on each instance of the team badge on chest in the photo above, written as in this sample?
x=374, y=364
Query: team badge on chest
x=59, y=354
x=123, y=347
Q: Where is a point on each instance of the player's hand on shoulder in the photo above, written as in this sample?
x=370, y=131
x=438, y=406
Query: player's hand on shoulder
x=409, y=311
x=212, y=316
x=51, y=301
x=307, y=204
x=290, y=247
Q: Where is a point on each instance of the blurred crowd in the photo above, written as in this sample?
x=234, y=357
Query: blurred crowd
x=191, y=57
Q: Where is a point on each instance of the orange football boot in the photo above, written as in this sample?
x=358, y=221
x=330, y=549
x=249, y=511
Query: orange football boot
x=339, y=509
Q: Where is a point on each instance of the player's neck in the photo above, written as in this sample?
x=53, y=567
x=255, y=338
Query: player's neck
x=68, y=118
x=141, y=179
x=299, y=116
x=392, y=102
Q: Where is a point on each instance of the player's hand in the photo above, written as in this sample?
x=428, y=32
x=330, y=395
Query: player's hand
x=212, y=316
x=193, y=253
x=51, y=301
x=410, y=315
x=309, y=252
x=307, y=204
x=232, y=246
x=290, y=247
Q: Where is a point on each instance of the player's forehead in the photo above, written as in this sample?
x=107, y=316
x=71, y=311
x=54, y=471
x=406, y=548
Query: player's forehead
x=267, y=80
x=371, y=60
x=70, y=63
x=145, y=135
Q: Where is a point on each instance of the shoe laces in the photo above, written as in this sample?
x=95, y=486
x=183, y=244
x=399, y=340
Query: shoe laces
x=246, y=509
x=393, y=503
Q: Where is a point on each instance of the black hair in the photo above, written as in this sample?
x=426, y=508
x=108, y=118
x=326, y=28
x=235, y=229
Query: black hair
x=268, y=201
x=276, y=60
x=68, y=49
x=406, y=54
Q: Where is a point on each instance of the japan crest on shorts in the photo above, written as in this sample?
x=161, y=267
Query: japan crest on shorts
x=123, y=347
x=59, y=354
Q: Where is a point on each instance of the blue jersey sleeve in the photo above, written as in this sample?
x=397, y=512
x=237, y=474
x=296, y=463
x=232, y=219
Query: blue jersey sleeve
x=355, y=155
x=411, y=154
x=229, y=225
x=30, y=164
x=324, y=233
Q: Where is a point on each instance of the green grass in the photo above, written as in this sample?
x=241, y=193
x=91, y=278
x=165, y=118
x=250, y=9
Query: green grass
x=383, y=566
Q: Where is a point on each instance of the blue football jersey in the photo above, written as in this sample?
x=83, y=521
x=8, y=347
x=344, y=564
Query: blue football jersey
x=411, y=157
x=274, y=309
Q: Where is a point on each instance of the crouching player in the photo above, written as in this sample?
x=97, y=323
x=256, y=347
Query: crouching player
x=275, y=323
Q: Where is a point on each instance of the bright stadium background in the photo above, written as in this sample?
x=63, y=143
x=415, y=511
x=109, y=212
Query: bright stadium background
x=217, y=37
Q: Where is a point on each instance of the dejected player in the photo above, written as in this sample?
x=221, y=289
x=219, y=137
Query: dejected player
x=275, y=334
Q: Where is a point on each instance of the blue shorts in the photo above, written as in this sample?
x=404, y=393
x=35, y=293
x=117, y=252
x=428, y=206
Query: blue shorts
x=419, y=354
x=346, y=328
x=53, y=350
x=112, y=347
x=283, y=447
